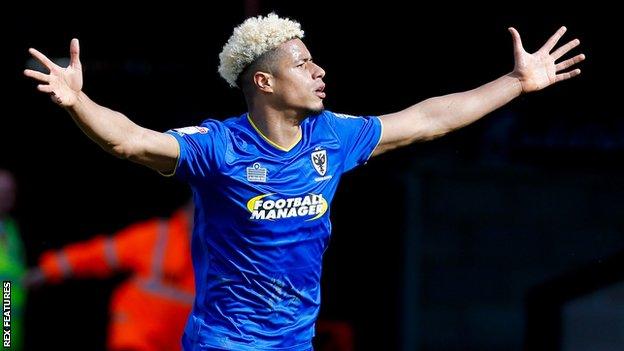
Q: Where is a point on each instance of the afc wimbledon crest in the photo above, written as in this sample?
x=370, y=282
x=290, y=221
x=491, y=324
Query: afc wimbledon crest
x=319, y=161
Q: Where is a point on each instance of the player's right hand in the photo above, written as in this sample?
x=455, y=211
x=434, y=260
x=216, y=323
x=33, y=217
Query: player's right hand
x=63, y=84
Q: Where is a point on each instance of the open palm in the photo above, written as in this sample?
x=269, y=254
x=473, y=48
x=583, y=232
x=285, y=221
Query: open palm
x=539, y=70
x=63, y=84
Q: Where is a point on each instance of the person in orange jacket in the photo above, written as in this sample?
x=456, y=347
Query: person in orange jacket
x=149, y=310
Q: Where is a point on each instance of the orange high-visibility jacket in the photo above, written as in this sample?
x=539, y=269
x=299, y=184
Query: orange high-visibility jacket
x=149, y=310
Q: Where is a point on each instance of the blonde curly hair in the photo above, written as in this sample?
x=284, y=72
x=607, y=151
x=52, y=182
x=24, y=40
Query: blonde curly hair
x=253, y=38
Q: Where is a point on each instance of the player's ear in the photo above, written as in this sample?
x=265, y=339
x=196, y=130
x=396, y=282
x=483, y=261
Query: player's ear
x=264, y=81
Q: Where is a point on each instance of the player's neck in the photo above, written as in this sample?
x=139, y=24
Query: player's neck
x=280, y=128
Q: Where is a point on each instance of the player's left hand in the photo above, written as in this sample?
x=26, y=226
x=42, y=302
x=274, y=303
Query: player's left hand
x=538, y=70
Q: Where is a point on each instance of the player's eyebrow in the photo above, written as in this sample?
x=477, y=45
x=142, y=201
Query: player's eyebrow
x=305, y=59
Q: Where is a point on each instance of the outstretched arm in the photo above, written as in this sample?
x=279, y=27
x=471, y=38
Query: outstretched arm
x=99, y=257
x=438, y=116
x=110, y=129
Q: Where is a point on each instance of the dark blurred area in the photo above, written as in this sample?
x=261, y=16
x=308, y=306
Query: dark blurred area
x=435, y=246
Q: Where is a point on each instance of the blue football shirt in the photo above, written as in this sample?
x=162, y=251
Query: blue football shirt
x=262, y=226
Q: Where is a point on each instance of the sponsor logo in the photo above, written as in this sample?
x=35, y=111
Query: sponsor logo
x=344, y=115
x=320, y=179
x=191, y=130
x=256, y=173
x=268, y=206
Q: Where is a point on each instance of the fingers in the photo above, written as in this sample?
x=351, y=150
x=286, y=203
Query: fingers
x=569, y=62
x=567, y=75
x=37, y=75
x=47, y=88
x=552, y=41
x=74, y=52
x=565, y=48
x=42, y=58
x=517, y=42
x=44, y=88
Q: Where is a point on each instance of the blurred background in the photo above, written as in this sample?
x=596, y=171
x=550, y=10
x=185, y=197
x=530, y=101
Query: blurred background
x=505, y=235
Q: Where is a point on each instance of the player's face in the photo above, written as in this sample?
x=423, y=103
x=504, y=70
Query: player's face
x=299, y=81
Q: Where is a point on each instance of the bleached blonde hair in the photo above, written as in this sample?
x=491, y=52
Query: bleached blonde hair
x=253, y=38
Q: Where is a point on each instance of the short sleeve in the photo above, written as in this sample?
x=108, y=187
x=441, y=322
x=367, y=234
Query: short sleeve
x=201, y=149
x=358, y=137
